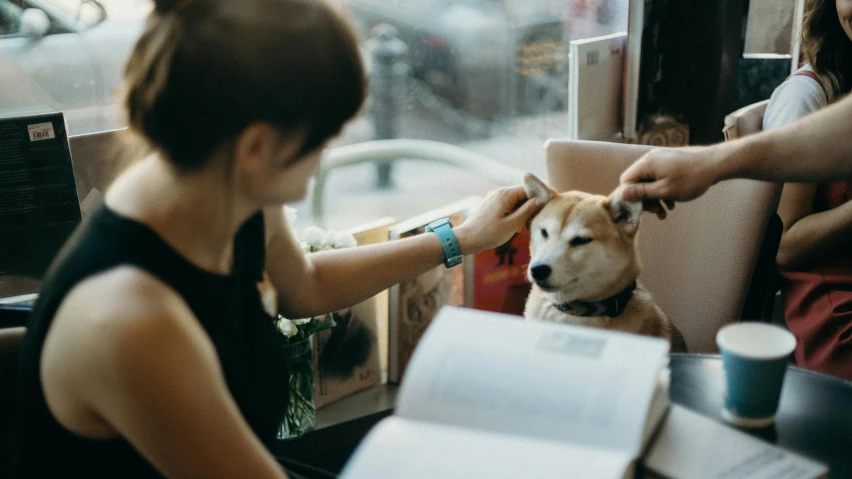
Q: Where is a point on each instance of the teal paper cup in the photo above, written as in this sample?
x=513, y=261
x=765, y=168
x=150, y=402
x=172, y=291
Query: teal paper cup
x=755, y=357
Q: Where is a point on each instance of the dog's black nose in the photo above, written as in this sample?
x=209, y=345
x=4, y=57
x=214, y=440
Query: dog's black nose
x=540, y=272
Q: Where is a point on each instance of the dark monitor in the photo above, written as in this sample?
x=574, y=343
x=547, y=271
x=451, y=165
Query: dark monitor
x=39, y=207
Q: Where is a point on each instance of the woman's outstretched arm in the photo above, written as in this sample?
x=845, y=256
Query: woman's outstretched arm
x=331, y=280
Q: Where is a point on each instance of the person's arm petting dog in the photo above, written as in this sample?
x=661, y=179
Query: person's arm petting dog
x=313, y=284
x=683, y=174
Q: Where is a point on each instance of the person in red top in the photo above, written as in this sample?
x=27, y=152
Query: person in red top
x=814, y=255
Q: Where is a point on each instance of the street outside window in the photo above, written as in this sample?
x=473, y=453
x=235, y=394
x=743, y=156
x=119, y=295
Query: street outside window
x=486, y=75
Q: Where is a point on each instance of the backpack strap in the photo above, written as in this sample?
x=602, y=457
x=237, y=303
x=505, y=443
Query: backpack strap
x=809, y=74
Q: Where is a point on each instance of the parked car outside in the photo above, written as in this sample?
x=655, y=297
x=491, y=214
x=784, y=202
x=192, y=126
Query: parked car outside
x=491, y=58
x=68, y=56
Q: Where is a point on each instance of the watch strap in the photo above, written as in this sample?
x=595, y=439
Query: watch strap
x=452, y=251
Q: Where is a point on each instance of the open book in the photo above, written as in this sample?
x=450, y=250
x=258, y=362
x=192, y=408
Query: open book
x=491, y=395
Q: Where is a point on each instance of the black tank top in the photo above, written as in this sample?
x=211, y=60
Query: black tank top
x=227, y=306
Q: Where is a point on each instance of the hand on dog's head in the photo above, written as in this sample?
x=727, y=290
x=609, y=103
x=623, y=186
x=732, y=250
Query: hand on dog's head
x=537, y=189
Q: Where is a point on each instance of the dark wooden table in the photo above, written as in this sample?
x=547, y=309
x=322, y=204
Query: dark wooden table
x=814, y=417
x=340, y=427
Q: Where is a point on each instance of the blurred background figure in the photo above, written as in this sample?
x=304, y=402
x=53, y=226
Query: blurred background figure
x=814, y=256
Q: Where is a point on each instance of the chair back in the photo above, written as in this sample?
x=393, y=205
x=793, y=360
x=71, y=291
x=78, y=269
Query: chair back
x=764, y=296
x=98, y=158
x=745, y=121
x=698, y=263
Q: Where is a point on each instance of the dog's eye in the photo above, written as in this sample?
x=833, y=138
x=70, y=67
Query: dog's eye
x=544, y=233
x=579, y=241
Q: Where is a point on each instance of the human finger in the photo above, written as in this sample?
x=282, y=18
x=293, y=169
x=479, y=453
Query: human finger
x=641, y=170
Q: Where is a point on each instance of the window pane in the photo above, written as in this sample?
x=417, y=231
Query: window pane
x=770, y=26
x=486, y=75
x=74, y=64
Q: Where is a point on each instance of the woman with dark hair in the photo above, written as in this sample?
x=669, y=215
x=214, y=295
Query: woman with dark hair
x=150, y=350
x=815, y=254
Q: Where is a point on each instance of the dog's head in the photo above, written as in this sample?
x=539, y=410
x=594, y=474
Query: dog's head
x=581, y=244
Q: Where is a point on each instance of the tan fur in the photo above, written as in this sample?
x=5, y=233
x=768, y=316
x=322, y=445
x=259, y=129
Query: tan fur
x=594, y=271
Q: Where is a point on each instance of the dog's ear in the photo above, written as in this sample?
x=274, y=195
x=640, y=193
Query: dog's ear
x=535, y=188
x=626, y=213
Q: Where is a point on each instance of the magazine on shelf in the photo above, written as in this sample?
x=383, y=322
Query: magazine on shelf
x=39, y=207
x=497, y=278
x=595, y=86
x=414, y=302
x=632, y=58
x=348, y=357
x=489, y=395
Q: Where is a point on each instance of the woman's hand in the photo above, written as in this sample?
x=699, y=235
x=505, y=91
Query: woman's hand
x=502, y=213
x=673, y=174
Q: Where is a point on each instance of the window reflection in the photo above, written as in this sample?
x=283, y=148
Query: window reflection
x=487, y=75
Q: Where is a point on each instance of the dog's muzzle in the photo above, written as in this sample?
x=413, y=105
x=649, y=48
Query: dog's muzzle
x=540, y=272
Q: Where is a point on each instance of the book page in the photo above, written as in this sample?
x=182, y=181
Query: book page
x=399, y=447
x=691, y=445
x=550, y=381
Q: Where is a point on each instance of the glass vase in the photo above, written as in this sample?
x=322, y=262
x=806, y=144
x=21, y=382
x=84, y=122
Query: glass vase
x=301, y=414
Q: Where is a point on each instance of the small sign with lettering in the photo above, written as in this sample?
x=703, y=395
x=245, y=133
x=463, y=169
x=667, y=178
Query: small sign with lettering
x=41, y=131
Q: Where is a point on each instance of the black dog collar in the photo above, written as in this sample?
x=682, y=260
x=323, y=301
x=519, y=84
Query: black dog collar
x=612, y=306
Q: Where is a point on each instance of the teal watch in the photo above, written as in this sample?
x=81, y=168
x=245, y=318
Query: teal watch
x=444, y=230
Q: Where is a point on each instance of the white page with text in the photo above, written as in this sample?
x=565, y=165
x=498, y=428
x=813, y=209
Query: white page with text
x=405, y=448
x=693, y=446
x=548, y=381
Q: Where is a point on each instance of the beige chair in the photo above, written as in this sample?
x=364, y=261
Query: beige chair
x=768, y=303
x=745, y=121
x=98, y=158
x=698, y=263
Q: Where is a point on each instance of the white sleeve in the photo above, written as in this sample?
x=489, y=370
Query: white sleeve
x=798, y=96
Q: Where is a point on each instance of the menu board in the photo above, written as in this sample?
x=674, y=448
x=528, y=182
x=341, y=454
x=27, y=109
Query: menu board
x=39, y=207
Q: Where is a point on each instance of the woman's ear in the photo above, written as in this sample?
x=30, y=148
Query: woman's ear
x=537, y=189
x=254, y=146
x=260, y=146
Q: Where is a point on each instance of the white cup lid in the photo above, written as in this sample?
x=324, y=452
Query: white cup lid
x=756, y=340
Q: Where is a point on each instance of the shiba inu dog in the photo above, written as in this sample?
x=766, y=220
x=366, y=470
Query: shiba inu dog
x=584, y=265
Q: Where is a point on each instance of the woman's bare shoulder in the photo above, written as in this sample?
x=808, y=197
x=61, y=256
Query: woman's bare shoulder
x=100, y=336
x=123, y=298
